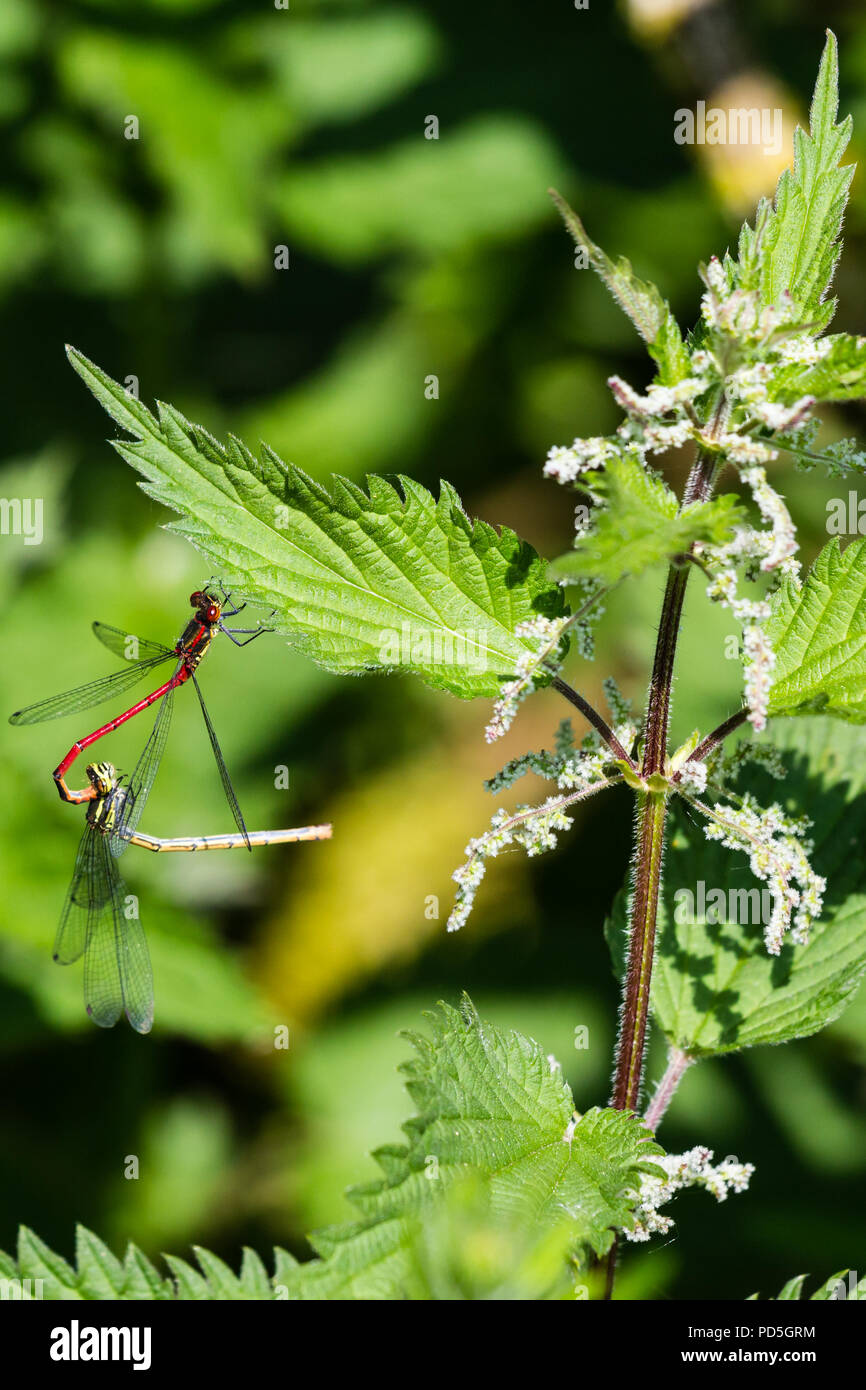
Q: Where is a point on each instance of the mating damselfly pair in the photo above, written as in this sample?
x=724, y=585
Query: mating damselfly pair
x=95, y=922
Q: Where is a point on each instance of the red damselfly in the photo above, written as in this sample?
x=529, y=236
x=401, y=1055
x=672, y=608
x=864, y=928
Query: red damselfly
x=143, y=656
x=100, y=920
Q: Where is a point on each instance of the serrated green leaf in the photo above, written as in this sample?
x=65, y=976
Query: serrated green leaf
x=489, y=1105
x=285, y=1268
x=100, y=1274
x=799, y=244
x=142, y=1279
x=254, y=1277
x=818, y=634
x=500, y=1191
x=792, y=1289
x=715, y=989
x=640, y=524
x=830, y=1289
x=223, y=1283
x=190, y=1284
x=359, y=581
x=639, y=299
x=37, y=1261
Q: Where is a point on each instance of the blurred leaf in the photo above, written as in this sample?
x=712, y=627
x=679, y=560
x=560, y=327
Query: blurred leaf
x=21, y=239
x=823, y=1127
x=209, y=144
x=365, y=410
x=346, y=66
x=467, y=1249
x=476, y=184
x=97, y=236
x=38, y=484
x=379, y=921
x=20, y=25
x=182, y=1156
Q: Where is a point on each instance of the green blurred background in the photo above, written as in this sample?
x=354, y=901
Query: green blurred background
x=259, y=128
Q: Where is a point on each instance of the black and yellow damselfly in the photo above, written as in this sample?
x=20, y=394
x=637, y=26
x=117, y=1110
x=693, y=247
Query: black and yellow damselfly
x=98, y=921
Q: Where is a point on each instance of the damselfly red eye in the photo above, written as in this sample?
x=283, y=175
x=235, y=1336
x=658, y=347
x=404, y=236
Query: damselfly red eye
x=197, y=599
x=212, y=613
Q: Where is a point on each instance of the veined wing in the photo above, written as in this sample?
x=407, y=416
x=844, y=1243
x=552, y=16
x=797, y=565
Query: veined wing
x=127, y=645
x=94, y=693
x=143, y=777
x=89, y=891
x=223, y=770
x=117, y=971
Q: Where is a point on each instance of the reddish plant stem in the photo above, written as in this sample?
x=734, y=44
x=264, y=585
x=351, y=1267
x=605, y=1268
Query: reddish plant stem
x=593, y=717
x=631, y=1041
x=718, y=736
x=678, y=1064
x=652, y=807
x=651, y=817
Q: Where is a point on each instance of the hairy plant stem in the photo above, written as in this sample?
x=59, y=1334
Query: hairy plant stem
x=678, y=1064
x=652, y=807
x=649, y=836
x=651, y=820
x=592, y=717
x=719, y=735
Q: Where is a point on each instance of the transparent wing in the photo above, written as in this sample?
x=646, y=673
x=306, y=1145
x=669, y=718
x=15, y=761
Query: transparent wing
x=144, y=776
x=85, y=696
x=223, y=770
x=127, y=645
x=117, y=972
x=88, y=892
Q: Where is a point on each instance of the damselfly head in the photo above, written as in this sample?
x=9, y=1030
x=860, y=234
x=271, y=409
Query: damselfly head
x=102, y=776
x=208, y=609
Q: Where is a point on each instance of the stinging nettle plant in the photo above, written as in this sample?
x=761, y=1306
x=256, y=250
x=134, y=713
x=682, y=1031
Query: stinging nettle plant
x=391, y=578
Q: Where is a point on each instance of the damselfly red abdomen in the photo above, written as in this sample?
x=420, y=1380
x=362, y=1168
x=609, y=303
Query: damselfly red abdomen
x=143, y=656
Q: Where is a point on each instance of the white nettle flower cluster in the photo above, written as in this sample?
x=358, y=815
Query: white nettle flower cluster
x=737, y=313
x=579, y=773
x=751, y=549
x=693, y=777
x=778, y=856
x=533, y=827
x=545, y=635
x=583, y=768
x=583, y=456
x=692, y=1169
x=662, y=419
